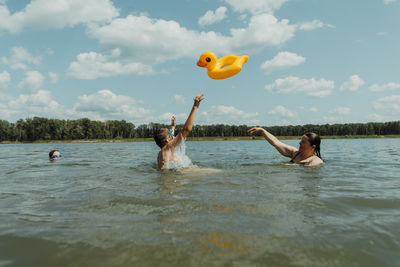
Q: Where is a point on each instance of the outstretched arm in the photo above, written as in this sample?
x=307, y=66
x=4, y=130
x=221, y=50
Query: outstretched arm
x=285, y=150
x=173, y=125
x=189, y=122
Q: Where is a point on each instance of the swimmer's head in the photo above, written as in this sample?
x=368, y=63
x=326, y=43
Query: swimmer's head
x=311, y=141
x=162, y=137
x=54, y=154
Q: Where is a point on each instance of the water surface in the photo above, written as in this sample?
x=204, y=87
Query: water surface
x=106, y=204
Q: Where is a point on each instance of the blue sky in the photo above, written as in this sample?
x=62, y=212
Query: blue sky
x=310, y=61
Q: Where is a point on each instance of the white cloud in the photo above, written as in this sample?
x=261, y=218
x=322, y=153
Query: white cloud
x=281, y=61
x=212, y=17
x=44, y=14
x=387, y=2
x=105, y=104
x=102, y=105
x=312, y=25
x=256, y=6
x=19, y=59
x=227, y=115
x=388, y=103
x=312, y=87
x=384, y=87
x=231, y=111
x=281, y=111
x=5, y=79
x=341, y=111
x=53, y=77
x=388, y=108
x=32, y=82
x=93, y=65
x=30, y=105
x=353, y=84
x=152, y=41
x=263, y=30
x=392, y=98
x=180, y=99
x=314, y=109
x=160, y=40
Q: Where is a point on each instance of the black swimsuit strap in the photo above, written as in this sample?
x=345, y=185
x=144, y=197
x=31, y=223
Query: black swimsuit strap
x=295, y=155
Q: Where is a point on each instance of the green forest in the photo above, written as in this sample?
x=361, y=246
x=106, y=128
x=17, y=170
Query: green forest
x=32, y=129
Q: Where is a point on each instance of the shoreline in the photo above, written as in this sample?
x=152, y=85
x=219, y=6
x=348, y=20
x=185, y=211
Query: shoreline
x=229, y=138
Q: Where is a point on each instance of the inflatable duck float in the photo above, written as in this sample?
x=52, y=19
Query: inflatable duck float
x=222, y=68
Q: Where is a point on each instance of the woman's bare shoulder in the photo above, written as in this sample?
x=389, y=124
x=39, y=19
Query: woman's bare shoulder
x=314, y=161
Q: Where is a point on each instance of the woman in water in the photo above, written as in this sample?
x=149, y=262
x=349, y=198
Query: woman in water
x=308, y=153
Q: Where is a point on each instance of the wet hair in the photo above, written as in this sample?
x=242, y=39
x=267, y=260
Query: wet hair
x=52, y=152
x=314, y=139
x=160, y=135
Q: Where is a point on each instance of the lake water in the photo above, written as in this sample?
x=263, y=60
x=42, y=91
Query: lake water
x=106, y=204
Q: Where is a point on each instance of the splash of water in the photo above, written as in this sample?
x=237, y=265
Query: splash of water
x=182, y=161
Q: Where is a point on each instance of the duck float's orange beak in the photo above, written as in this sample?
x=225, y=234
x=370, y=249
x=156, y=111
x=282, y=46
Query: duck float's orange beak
x=201, y=64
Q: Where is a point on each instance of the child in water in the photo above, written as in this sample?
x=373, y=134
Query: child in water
x=165, y=138
x=54, y=154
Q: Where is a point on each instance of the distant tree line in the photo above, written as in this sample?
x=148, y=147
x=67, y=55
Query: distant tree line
x=37, y=128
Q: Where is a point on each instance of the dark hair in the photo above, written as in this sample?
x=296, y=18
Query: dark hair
x=52, y=152
x=314, y=139
x=159, y=136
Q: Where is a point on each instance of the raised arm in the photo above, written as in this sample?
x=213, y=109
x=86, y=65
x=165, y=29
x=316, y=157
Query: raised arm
x=285, y=150
x=173, y=125
x=187, y=127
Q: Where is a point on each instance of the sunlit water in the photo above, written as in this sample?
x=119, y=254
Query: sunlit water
x=239, y=204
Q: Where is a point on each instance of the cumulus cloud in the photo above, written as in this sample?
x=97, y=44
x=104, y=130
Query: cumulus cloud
x=312, y=87
x=142, y=42
x=281, y=61
x=212, y=17
x=5, y=79
x=352, y=84
x=162, y=40
x=152, y=41
x=43, y=14
x=93, y=65
x=32, y=82
x=263, y=30
x=281, y=111
x=227, y=114
x=102, y=105
x=39, y=103
x=387, y=108
x=388, y=103
x=19, y=59
x=105, y=104
x=384, y=87
x=312, y=25
x=256, y=6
